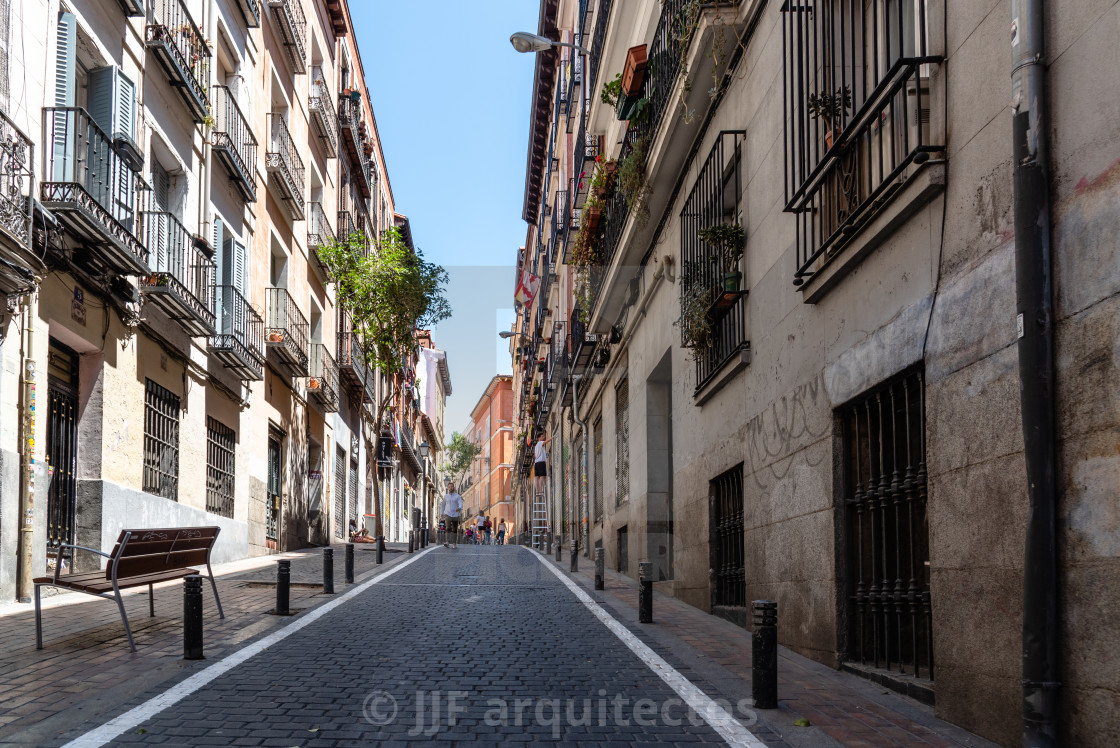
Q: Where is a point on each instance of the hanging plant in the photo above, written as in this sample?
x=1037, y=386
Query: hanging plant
x=694, y=323
x=632, y=179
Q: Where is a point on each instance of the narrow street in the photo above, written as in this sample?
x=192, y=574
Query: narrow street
x=562, y=663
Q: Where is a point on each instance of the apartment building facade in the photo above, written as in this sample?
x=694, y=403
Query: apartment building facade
x=488, y=489
x=778, y=303
x=173, y=351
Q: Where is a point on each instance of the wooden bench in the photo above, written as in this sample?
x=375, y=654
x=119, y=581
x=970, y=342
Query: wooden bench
x=140, y=557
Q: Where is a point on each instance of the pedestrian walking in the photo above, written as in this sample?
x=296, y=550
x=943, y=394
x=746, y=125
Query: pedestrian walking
x=502, y=532
x=479, y=521
x=487, y=527
x=540, y=458
x=452, y=506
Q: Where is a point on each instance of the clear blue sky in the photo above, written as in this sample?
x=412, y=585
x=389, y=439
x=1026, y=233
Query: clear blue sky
x=452, y=98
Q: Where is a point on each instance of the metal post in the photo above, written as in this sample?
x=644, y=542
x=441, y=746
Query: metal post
x=283, y=586
x=645, y=592
x=349, y=563
x=328, y=571
x=192, y=618
x=380, y=549
x=559, y=550
x=575, y=555
x=764, y=657
x=411, y=540
x=600, y=564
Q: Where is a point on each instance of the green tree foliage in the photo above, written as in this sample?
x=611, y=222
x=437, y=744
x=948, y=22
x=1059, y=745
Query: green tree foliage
x=389, y=292
x=461, y=452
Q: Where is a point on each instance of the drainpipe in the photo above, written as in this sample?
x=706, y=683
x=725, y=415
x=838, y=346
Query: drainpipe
x=586, y=443
x=204, y=227
x=26, y=539
x=1034, y=304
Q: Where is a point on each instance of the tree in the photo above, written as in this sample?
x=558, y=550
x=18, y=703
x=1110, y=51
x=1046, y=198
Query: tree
x=390, y=292
x=461, y=452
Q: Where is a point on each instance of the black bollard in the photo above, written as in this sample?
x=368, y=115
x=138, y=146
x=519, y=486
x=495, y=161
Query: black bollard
x=764, y=662
x=599, y=568
x=349, y=563
x=283, y=586
x=645, y=592
x=410, y=541
x=328, y=571
x=192, y=618
x=575, y=555
x=559, y=550
x=380, y=549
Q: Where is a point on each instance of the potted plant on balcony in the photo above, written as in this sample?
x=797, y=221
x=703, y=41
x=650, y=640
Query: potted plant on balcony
x=312, y=383
x=634, y=73
x=727, y=241
x=831, y=109
x=694, y=322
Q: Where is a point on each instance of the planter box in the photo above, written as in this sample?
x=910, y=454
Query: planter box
x=634, y=74
x=594, y=215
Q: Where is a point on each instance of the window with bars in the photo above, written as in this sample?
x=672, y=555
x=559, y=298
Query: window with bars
x=338, y=505
x=161, y=441
x=713, y=295
x=220, y=440
x=887, y=532
x=597, y=491
x=275, y=484
x=353, y=506
x=727, y=545
x=857, y=103
x=622, y=441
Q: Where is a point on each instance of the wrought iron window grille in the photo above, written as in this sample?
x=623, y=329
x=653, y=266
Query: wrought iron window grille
x=727, y=545
x=161, y=441
x=220, y=468
x=856, y=96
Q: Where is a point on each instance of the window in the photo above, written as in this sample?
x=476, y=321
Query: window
x=857, y=112
x=161, y=441
x=219, y=468
x=622, y=441
x=274, y=498
x=887, y=532
x=338, y=506
x=727, y=546
x=713, y=296
x=353, y=486
x=597, y=491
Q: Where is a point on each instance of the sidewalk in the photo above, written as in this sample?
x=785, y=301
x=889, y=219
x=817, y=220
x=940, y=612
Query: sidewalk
x=85, y=668
x=842, y=709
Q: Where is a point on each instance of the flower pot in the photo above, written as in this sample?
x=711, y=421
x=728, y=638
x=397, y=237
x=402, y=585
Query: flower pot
x=634, y=73
x=594, y=215
x=313, y=383
x=830, y=136
x=276, y=337
x=355, y=96
x=731, y=281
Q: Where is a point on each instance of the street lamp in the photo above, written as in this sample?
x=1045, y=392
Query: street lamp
x=506, y=335
x=523, y=41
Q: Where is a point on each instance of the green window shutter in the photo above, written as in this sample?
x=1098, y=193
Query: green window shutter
x=125, y=120
x=102, y=98
x=240, y=269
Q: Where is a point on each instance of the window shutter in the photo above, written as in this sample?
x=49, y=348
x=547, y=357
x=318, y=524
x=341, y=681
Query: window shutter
x=220, y=248
x=65, y=67
x=160, y=190
x=101, y=102
x=240, y=271
x=125, y=120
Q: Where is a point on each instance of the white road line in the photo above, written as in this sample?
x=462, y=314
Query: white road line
x=729, y=728
x=101, y=735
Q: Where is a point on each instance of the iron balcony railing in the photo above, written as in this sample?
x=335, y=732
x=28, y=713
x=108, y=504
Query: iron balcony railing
x=234, y=143
x=351, y=363
x=346, y=225
x=182, y=50
x=354, y=140
x=324, y=119
x=251, y=10
x=323, y=381
x=365, y=228
x=319, y=232
x=285, y=165
x=287, y=331
x=91, y=189
x=857, y=105
x=292, y=25
x=182, y=278
x=239, y=340
x=17, y=182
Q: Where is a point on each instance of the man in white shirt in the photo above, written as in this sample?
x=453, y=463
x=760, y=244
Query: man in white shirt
x=452, y=506
x=540, y=461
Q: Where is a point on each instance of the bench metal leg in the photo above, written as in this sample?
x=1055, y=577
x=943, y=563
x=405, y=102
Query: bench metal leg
x=151, y=602
x=214, y=586
x=124, y=618
x=38, y=621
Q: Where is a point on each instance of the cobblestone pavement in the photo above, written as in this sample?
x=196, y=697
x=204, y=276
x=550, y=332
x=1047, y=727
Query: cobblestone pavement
x=474, y=646
x=85, y=668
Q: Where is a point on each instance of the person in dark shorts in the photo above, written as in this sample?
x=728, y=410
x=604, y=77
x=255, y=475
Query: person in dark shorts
x=452, y=507
x=540, y=461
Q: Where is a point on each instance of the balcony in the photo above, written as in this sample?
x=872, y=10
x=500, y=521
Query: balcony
x=234, y=143
x=239, y=339
x=337, y=14
x=20, y=264
x=291, y=24
x=353, y=373
x=319, y=232
x=182, y=50
x=182, y=278
x=322, y=386
x=251, y=11
x=346, y=225
x=286, y=333
x=353, y=140
x=93, y=192
x=324, y=120
x=132, y=8
x=285, y=167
